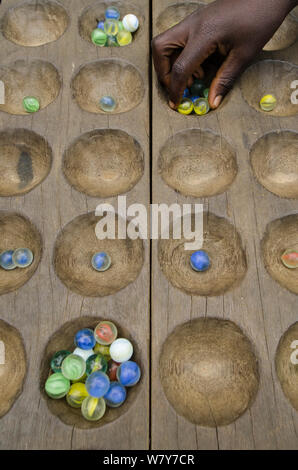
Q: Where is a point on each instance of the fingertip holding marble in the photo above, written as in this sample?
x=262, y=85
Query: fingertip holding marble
x=200, y=261
x=101, y=261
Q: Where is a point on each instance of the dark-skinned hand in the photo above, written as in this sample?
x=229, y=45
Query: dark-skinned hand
x=237, y=29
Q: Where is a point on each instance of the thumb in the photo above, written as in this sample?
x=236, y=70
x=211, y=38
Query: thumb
x=235, y=63
x=187, y=63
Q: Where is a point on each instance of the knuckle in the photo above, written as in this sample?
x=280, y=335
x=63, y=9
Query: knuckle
x=157, y=43
x=227, y=83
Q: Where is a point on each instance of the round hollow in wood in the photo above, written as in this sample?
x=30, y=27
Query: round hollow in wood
x=228, y=261
x=63, y=339
x=34, y=23
x=38, y=79
x=281, y=235
x=286, y=364
x=108, y=77
x=16, y=231
x=285, y=36
x=197, y=163
x=74, y=248
x=272, y=77
x=25, y=161
x=275, y=164
x=209, y=371
x=104, y=163
x=89, y=18
x=173, y=14
x=13, y=366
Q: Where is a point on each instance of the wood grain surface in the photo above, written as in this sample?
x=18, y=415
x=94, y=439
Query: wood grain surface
x=261, y=307
x=44, y=304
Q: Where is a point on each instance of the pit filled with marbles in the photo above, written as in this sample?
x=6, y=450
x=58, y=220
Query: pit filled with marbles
x=94, y=376
x=195, y=99
x=112, y=31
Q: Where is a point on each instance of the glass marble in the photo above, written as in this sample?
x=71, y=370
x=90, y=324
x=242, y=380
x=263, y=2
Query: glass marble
x=112, y=42
x=112, y=13
x=290, y=259
x=268, y=103
x=93, y=409
x=76, y=395
x=120, y=26
x=100, y=25
x=128, y=374
x=112, y=370
x=73, y=367
x=206, y=93
x=95, y=363
x=185, y=107
x=84, y=353
x=101, y=261
x=99, y=37
x=105, y=333
x=6, y=260
x=31, y=104
x=201, y=106
x=97, y=384
x=194, y=98
x=101, y=349
x=23, y=257
x=130, y=23
x=57, y=386
x=197, y=88
x=186, y=93
x=116, y=395
x=107, y=104
x=84, y=339
x=200, y=261
x=124, y=38
x=121, y=350
x=57, y=360
x=111, y=27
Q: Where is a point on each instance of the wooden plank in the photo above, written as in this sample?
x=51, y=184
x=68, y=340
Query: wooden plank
x=44, y=304
x=262, y=308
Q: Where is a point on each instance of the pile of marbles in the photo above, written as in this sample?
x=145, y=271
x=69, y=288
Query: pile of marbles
x=19, y=258
x=195, y=99
x=113, y=32
x=96, y=374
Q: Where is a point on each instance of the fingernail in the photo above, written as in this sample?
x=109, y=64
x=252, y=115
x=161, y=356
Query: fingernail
x=217, y=101
x=172, y=105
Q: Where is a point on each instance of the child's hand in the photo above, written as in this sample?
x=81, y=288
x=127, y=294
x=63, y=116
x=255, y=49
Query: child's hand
x=238, y=29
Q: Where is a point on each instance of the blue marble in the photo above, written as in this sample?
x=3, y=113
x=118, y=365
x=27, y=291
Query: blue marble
x=100, y=25
x=128, y=373
x=6, y=260
x=112, y=13
x=84, y=339
x=97, y=384
x=101, y=261
x=116, y=395
x=107, y=104
x=186, y=93
x=200, y=261
x=22, y=257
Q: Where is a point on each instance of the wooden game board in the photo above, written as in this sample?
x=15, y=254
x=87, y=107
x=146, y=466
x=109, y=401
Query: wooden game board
x=149, y=308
